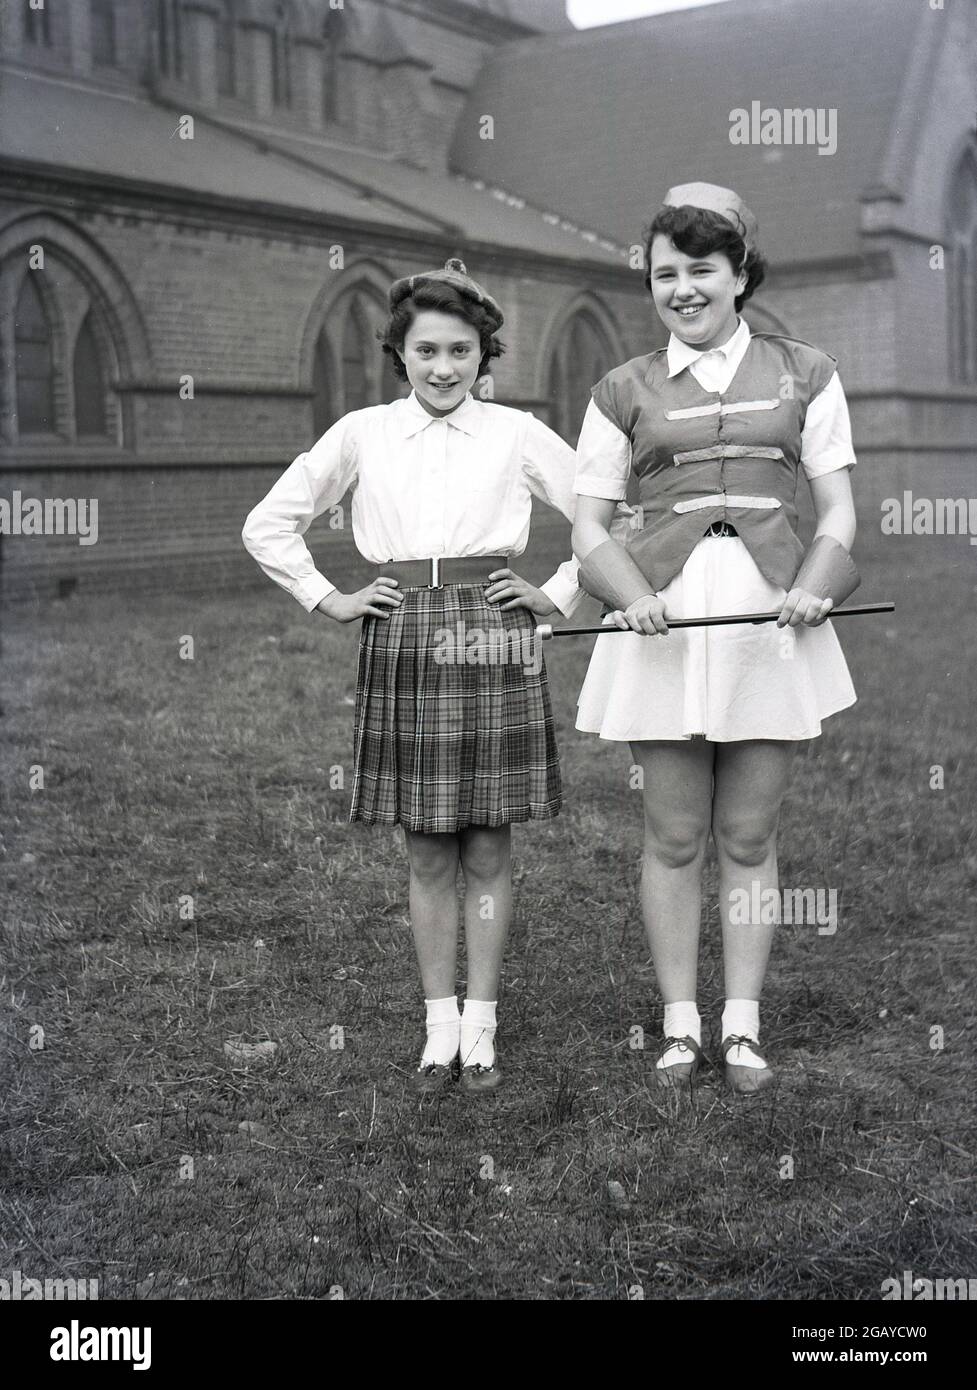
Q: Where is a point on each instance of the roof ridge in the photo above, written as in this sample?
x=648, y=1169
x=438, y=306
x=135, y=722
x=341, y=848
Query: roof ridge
x=263, y=143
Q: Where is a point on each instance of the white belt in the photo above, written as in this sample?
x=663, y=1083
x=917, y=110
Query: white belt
x=726, y=499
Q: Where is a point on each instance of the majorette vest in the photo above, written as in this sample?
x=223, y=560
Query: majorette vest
x=702, y=456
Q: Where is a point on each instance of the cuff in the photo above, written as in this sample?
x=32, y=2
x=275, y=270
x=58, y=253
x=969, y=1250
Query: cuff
x=310, y=592
x=564, y=593
x=586, y=485
x=829, y=461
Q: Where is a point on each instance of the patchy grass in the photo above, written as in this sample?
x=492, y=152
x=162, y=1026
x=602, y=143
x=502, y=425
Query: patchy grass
x=317, y=1167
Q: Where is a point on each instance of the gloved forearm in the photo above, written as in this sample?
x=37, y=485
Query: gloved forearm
x=827, y=571
x=610, y=574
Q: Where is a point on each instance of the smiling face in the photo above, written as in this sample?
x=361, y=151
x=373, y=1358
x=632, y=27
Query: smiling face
x=442, y=354
x=695, y=295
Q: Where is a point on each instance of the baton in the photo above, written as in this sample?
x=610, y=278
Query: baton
x=545, y=630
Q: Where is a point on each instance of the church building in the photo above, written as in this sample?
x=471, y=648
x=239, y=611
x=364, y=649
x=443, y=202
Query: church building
x=203, y=203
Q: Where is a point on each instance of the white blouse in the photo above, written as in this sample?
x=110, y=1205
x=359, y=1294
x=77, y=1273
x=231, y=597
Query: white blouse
x=425, y=485
x=604, y=451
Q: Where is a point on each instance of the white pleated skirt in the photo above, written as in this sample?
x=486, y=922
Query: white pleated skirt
x=722, y=683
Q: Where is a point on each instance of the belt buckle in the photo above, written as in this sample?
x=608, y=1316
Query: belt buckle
x=435, y=573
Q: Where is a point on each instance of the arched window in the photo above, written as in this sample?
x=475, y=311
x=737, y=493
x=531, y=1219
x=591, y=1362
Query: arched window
x=324, y=411
x=331, y=39
x=358, y=347
x=962, y=267
x=34, y=362
x=169, y=32
x=89, y=382
x=227, y=49
x=281, y=58
x=103, y=33
x=37, y=24
x=349, y=370
x=582, y=356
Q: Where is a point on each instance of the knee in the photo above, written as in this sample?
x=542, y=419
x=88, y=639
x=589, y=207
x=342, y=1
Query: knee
x=675, y=845
x=433, y=862
x=484, y=856
x=746, y=844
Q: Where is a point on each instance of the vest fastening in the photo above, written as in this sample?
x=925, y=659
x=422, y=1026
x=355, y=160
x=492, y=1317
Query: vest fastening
x=702, y=456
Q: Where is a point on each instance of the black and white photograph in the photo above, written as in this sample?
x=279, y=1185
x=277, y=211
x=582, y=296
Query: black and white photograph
x=488, y=553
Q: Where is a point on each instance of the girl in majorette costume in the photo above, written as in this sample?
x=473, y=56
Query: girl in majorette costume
x=717, y=427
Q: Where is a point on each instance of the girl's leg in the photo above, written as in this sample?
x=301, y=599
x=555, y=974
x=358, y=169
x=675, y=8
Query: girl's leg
x=486, y=860
x=751, y=780
x=677, y=793
x=434, y=909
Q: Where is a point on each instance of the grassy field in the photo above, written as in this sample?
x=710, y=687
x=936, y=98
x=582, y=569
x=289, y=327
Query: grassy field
x=142, y=1145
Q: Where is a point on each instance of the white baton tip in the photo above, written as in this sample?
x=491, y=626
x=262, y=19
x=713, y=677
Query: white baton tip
x=544, y=631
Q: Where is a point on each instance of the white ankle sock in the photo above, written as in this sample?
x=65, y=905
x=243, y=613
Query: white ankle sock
x=443, y=1027
x=741, y=1017
x=478, y=1026
x=681, y=1021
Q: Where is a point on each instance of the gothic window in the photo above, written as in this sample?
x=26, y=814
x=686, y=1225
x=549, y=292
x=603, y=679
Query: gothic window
x=962, y=267
x=582, y=356
x=227, y=49
x=358, y=346
x=281, y=58
x=89, y=383
x=323, y=409
x=37, y=24
x=331, y=38
x=103, y=33
x=169, y=30
x=349, y=371
x=34, y=362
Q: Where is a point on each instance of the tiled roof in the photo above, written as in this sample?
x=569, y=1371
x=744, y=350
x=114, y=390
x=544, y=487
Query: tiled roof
x=599, y=123
x=51, y=121
x=478, y=211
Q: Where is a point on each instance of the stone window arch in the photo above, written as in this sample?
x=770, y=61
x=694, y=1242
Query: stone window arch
x=71, y=340
x=89, y=381
x=349, y=369
x=34, y=364
x=582, y=353
x=962, y=267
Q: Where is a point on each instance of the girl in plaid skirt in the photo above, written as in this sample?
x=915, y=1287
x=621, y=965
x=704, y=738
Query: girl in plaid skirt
x=453, y=730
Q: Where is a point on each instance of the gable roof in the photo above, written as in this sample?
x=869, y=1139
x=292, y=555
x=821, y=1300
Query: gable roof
x=66, y=126
x=599, y=124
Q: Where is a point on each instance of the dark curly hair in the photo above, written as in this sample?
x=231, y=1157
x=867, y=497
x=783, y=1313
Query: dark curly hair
x=699, y=232
x=447, y=300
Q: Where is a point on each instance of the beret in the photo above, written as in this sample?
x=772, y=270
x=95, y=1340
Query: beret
x=456, y=275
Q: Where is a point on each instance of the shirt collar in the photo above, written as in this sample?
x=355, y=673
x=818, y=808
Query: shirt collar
x=681, y=355
x=464, y=417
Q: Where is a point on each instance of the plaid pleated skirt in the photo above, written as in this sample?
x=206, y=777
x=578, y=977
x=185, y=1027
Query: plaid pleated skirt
x=453, y=724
